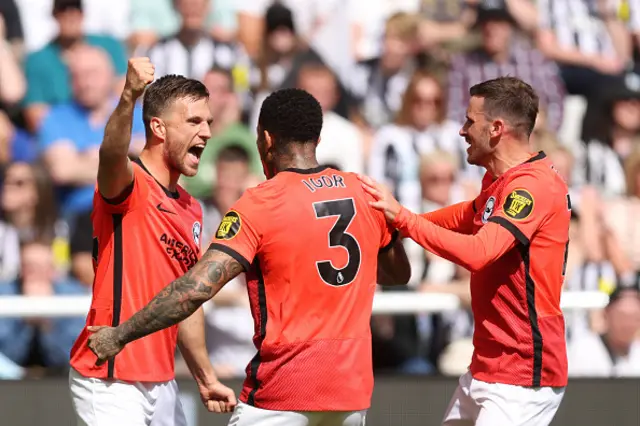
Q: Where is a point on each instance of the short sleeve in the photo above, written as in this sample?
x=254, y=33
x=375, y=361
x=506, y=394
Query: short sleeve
x=523, y=206
x=238, y=234
x=130, y=199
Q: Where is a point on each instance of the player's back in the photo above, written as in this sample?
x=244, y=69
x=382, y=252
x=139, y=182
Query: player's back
x=311, y=286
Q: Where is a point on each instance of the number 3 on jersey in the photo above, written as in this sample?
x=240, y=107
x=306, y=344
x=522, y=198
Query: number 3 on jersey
x=345, y=210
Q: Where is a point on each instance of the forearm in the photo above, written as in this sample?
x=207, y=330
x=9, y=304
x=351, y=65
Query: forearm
x=174, y=303
x=456, y=217
x=472, y=252
x=117, y=133
x=180, y=299
x=622, y=40
x=393, y=266
x=191, y=341
x=12, y=84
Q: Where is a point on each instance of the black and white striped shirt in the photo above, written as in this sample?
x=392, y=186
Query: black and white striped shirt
x=171, y=56
x=380, y=97
x=599, y=165
x=576, y=24
x=395, y=157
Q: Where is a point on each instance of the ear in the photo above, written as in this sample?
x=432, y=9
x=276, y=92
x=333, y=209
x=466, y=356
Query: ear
x=497, y=128
x=268, y=141
x=158, y=128
x=319, y=140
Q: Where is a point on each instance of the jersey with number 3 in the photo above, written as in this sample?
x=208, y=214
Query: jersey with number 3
x=309, y=242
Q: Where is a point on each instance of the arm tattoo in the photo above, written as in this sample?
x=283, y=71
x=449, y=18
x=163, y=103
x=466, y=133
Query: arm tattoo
x=182, y=297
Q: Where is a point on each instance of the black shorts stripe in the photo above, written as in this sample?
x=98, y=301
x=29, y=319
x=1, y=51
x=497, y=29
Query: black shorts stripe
x=530, y=288
x=257, y=359
x=231, y=252
x=117, y=281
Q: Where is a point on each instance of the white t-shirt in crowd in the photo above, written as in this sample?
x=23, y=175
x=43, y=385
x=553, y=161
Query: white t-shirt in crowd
x=589, y=357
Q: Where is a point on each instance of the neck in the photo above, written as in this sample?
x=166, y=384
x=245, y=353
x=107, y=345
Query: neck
x=297, y=157
x=153, y=159
x=515, y=152
x=21, y=219
x=189, y=36
x=499, y=57
x=388, y=70
x=617, y=348
x=67, y=42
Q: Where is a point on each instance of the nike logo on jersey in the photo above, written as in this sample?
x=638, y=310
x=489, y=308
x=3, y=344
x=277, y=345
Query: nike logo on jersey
x=163, y=210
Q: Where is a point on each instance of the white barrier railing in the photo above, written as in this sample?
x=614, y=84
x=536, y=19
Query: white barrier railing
x=383, y=303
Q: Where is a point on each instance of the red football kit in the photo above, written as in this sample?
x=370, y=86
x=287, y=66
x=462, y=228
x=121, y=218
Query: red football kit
x=309, y=242
x=514, y=239
x=140, y=245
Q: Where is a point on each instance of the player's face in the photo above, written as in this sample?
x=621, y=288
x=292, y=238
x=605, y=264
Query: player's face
x=188, y=128
x=477, y=132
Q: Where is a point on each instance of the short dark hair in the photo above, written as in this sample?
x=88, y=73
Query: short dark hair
x=291, y=116
x=166, y=90
x=510, y=98
x=233, y=153
x=60, y=6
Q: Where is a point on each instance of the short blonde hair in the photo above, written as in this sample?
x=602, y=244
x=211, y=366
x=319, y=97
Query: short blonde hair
x=403, y=25
x=437, y=157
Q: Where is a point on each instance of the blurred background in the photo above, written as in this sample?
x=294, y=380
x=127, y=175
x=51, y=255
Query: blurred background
x=392, y=77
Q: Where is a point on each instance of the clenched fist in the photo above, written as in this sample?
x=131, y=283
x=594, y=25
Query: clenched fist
x=140, y=72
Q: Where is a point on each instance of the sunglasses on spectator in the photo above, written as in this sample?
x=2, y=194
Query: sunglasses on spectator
x=18, y=183
x=440, y=179
x=427, y=100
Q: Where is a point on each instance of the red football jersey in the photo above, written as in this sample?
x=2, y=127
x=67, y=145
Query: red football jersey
x=310, y=243
x=140, y=246
x=519, y=335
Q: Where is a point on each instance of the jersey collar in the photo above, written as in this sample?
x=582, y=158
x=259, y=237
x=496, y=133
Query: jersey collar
x=306, y=171
x=175, y=194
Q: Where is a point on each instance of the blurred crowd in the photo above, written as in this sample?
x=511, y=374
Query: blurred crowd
x=392, y=77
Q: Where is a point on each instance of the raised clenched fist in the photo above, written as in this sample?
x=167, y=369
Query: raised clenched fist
x=140, y=72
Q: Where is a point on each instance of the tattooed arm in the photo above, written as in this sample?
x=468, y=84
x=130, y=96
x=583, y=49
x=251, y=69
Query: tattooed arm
x=173, y=304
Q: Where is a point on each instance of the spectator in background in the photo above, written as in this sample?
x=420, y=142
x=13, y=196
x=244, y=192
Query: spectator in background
x=341, y=142
x=72, y=132
x=226, y=130
x=439, y=171
x=39, y=342
x=83, y=249
x=11, y=27
x=229, y=325
x=615, y=135
x=615, y=352
x=421, y=127
x=504, y=51
x=192, y=50
x=48, y=79
x=13, y=83
x=621, y=217
x=231, y=174
x=588, y=41
x=378, y=83
x=28, y=213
